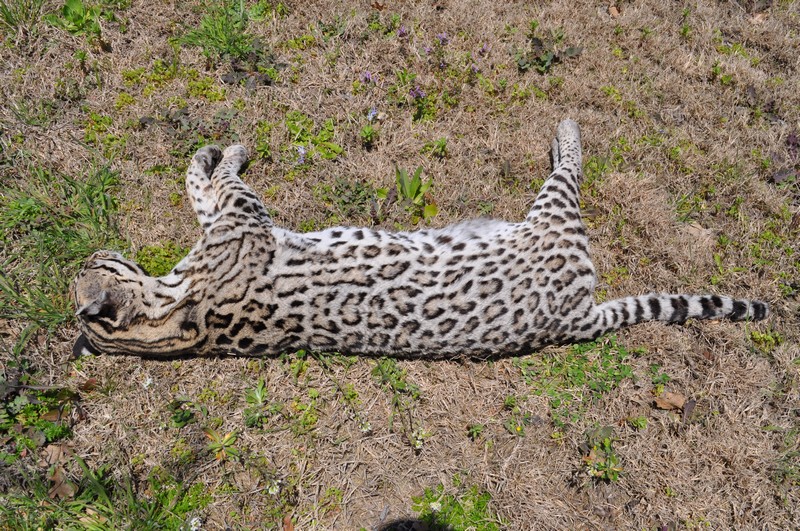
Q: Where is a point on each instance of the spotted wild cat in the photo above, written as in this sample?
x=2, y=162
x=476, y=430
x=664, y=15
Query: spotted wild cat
x=479, y=288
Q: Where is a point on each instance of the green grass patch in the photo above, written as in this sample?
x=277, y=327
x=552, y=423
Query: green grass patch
x=49, y=224
x=98, y=500
x=468, y=509
x=158, y=260
x=578, y=376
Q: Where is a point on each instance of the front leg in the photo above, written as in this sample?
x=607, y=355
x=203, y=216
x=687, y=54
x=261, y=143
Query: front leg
x=198, y=185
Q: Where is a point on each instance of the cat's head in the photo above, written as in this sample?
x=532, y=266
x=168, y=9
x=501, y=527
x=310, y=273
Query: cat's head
x=106, y=292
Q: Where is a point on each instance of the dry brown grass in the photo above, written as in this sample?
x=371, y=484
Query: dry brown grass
x=717, y=470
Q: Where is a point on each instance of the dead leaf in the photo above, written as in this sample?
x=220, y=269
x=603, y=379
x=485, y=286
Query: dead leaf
x=62, y=487
x=54, y=454
x=613, y=11
x=378, y=6
x=287, y=523
x=758, y=18
x=93, y=518
x=89, y=385
x=670, y=401
x=54, y=415
x=697, y=231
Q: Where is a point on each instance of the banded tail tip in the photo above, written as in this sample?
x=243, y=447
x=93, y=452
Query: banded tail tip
x=744, y=310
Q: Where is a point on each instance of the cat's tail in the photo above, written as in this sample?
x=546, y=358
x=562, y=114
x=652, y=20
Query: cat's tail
x=673, y=309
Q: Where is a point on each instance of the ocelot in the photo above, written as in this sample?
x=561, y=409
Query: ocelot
x=477, y=289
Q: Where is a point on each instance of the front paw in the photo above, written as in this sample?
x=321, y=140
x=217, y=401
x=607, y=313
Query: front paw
x=208, y=157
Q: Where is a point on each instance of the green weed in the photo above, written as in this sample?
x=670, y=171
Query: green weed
x=638, y=423
x=97, y=132
x=600, y=461
x=412, y=195
x=368, y=135
x=347, y=199
x=766, y=341
x=475, y=431
x=182, y=412
x=204, y=87
x=436, y=148
x=467, y=510
x=31, y=418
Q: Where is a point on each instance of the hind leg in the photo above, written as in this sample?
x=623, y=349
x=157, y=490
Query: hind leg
x=236, y=200
x=198, y=184
x=559, y=196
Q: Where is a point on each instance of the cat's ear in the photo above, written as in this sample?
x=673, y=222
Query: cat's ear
x=102, y=306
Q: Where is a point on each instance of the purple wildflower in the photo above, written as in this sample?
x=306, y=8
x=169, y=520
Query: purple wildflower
x=301, y=152
x=474, y=68
x=367, y=77
x=402, y=32
x=417, y=93
x=428, y=50
x=443, y=38
x=373, y=112
x=484, y=49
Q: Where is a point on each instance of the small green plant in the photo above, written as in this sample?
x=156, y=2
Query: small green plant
x=475, y=431
x=658, y=378
x=515, y=424
x=124, y=100
x=222, y=446
x=766, y=341
x=256, y=399
x=412, y=194
x=204, y=87
x=158, y=260
x=305, y=415
x=404, y=395
x=182, y=412
x=637, y=423
x=436, y=148
x=263, y=136
x=545, y=52
x=368, y=135
x=78, y=18
x=468, y=509
x=600, y=460
x=30, y=418
x=346, y=199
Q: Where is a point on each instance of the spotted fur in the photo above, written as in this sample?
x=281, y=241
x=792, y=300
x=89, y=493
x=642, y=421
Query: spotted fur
x=480, y=288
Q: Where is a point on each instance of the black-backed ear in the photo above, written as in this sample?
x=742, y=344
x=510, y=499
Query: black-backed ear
x=82, y=347
x=103, y=306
